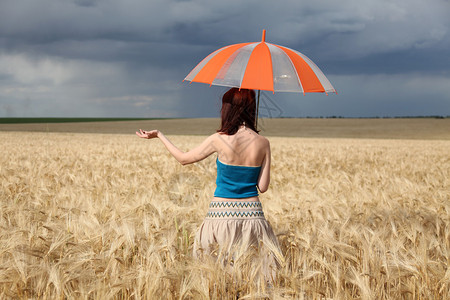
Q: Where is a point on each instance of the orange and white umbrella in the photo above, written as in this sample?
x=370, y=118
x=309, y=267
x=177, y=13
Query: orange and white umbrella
x=261, y=66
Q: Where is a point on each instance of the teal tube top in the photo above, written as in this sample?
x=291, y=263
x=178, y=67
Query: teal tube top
x=236, y=181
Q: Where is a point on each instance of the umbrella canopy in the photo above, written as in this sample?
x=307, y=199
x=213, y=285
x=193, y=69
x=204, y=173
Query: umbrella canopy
x=261, y=66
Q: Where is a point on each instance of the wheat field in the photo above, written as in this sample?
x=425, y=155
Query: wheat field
x=102, y=216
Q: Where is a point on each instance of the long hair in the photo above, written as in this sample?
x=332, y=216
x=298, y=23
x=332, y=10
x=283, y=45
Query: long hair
x=238, y=106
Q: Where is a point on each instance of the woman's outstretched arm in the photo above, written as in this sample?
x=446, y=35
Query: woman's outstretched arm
x=205, y=149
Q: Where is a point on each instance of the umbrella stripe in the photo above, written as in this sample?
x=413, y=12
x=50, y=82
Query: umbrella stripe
x=323, y=79
x=306, y=75
x=198, y=67
x=285, y=76
x=215, y=63
x=259, y=69
x=233, y=69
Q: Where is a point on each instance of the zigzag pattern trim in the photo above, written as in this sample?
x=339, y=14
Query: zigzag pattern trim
x=237, y=214
x=238, y=204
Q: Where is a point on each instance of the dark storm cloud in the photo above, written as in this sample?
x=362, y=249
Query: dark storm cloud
x=334, y=31
x=433, y=61
x=135, y=53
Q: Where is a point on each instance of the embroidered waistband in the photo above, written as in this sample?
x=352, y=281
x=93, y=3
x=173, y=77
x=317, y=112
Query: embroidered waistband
x=235, y=210
x=234, y=204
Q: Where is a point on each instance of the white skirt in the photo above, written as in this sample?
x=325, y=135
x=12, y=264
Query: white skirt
x=233, y=226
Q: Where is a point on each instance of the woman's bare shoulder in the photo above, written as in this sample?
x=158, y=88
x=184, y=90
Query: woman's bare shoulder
x=214, y=136
x=263, y=140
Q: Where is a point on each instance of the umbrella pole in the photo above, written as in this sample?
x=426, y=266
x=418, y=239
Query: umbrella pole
x=257, y=111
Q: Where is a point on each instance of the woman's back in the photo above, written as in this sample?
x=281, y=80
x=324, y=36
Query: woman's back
x=244, y=148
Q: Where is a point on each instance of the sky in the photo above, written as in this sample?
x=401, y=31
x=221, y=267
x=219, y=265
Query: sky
x=127, y=58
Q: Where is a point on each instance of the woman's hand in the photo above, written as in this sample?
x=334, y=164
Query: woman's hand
x=147, y=134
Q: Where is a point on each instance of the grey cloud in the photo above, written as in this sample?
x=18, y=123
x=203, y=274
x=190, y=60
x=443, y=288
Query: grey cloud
x=121, y=50
x=343, y=29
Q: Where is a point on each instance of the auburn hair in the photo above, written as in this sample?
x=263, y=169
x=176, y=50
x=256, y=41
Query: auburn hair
x=238, y=108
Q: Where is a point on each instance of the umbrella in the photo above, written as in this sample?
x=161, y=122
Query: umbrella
x=261, y=66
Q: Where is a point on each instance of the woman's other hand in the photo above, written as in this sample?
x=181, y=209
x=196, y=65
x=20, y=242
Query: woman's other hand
x=147, y=134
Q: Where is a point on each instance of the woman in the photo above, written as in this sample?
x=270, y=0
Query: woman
x=235, y=218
